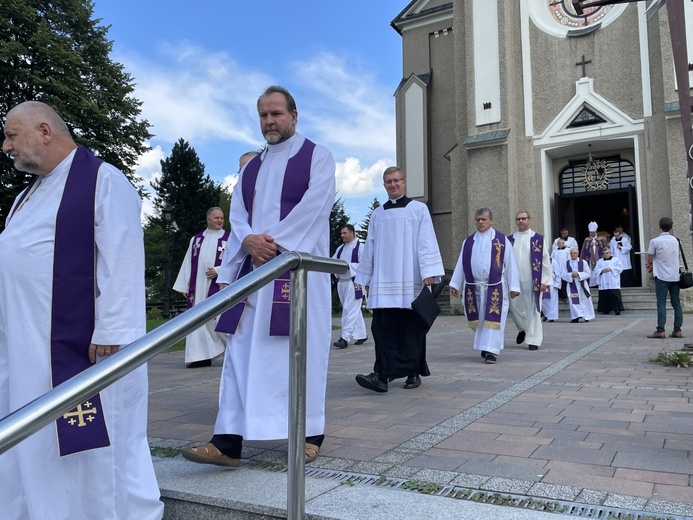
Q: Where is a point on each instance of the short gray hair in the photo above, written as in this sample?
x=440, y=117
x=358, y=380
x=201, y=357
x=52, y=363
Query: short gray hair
x=481, y=211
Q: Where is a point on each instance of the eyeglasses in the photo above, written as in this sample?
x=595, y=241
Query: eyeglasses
x=393, y=181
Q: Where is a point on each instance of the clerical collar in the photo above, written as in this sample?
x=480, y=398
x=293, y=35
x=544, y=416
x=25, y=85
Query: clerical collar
x=561, y=248
x=398, y=203
x=607, y=259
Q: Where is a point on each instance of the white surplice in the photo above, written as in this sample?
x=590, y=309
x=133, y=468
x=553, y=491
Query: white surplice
x=585, y=307
x=353, y=325
x=523, y=309
x=549, y=306
x=407, y=232
x=609, y=279
x=204, y=342
x=490, y=340
x=253, y=400
x=115, y=482
x=622, y=253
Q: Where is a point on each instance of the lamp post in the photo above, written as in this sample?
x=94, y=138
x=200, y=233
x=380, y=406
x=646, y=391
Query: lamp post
x=168, y=213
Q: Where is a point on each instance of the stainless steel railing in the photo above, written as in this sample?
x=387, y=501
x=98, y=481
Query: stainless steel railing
x=33, y=416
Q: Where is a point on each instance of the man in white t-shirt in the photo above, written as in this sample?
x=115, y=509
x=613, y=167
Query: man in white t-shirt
x=663, y=263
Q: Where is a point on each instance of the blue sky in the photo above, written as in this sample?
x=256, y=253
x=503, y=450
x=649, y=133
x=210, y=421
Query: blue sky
x=200, y=66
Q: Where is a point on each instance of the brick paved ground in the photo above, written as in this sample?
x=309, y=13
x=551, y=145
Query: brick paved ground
x=588, y=417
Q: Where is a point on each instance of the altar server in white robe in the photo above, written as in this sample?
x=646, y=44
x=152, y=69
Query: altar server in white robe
x=486, y=278
x=608, y=272
x=401, y=256
x=75, y=232
x=577, y=273
x=281, y=203
x=534, y=267
x=621, y=247
x=197, y=280
x=549, y=300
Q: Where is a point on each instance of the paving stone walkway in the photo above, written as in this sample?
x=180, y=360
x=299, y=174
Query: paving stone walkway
x=587, y=418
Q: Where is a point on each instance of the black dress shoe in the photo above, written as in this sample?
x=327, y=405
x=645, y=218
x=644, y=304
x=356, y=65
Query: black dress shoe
x=361, y=341
x=533, y=347
x=341, y=343
x=490, y=359
x=574, y=320
x=412, y=382
x=199, y=364
x=520, y=337
x=484, y=354
x=371, y=382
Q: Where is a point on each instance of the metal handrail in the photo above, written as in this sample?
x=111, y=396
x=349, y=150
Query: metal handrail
x=40, y=412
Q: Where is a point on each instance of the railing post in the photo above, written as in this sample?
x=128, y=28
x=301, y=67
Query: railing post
x=296, y=478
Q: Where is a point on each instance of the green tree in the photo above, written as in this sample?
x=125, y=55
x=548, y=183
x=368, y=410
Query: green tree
x=338, y=217
x=57, y=53
x=189, y=192
x=362, y=232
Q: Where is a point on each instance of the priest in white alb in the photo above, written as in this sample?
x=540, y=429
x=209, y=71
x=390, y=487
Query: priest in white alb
x=576, y=272
x=72, y=293
x=197, y=280
x=534, y=267
x=282, y=202
x=486, y=278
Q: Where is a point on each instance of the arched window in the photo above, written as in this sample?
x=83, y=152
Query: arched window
x=602, y=174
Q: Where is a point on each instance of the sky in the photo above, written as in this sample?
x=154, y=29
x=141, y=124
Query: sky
x=199, y=67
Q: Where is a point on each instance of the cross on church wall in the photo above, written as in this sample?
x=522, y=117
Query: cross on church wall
x=583, y=63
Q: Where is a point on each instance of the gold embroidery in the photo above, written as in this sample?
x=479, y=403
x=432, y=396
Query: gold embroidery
x=471, y=304
x=499, y=248
x=80, y=413
x=494, y=307
x=536, y=265
x=286, y=291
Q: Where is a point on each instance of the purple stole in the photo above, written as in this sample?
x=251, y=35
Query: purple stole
x=536, y=251
x=358, y=293
x=494, y=288
x=73, y=308
x=196, y=246
x=574, y=296
x=294, y=186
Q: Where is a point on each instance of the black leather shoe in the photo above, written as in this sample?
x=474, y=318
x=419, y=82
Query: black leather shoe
x=484, y=354
x=574, y=320
x=533, y=347
x=341, y=343
x=490, y=359
x=199, y=364
x=361, y=341
x=520, y=337
x=412, y=382
x=371, y=382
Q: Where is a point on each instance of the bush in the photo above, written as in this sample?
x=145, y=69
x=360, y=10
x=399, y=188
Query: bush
x=154, y=313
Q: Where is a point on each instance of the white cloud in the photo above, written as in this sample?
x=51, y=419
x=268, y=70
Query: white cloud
x=229, y=182
x=354, y=181
x=196, y=94
x=347, y=106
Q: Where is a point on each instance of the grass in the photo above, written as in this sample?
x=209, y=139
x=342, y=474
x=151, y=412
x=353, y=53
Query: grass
x=153, y=323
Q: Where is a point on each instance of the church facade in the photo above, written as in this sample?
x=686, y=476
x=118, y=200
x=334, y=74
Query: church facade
x=525, y=105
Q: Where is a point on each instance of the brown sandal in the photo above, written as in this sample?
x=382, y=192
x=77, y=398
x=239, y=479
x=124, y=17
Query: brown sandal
x=311, y=452
x=209, y=454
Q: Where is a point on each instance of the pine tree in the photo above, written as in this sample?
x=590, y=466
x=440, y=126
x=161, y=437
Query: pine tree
x=57, y=53
x=338, y=218
x=362, y=232
x=189, y=192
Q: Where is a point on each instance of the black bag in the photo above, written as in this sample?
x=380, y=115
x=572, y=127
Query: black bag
x=426, y=307
x=686, y=278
